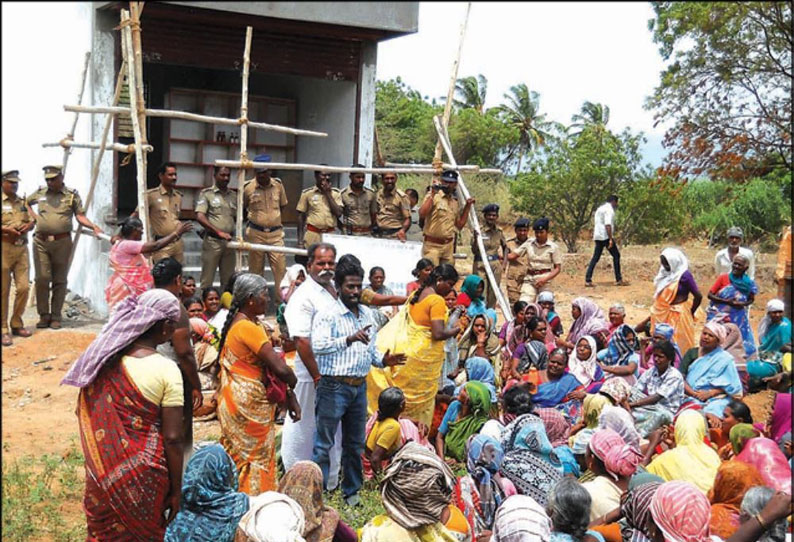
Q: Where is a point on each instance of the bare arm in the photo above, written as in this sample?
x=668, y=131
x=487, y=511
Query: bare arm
x=154, y=246
x=437, y=331
x=427, y=205
x=464, y=215
x=620, y=370
x=83, y=220
x=276, y=365
x=336, y=209
x=301, y=227
x=440, y=445
x=201, y=218
x=697, y=299
x=651, y=400
x=171, y=418
x=186, y=358
x=304, y=347
x=378, y=455
x=379, y=300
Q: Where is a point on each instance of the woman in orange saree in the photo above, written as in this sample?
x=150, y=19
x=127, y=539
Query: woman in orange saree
x=672, y=302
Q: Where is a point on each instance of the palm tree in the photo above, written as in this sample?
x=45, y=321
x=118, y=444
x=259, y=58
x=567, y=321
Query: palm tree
x=472, y=91
x=522, y=110
x=591, y=114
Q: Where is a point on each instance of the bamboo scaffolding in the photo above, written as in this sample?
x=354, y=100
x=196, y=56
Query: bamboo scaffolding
x=70, y=135
x=135, y=109
x=244, y=245
x=319, y=167
x=184, y=115
x=474, y=168
x=119, y=147
x=137, y=63
x=249, y=31
x=474, y=224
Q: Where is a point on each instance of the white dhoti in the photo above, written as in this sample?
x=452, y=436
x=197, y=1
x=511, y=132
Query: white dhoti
x=297, y=439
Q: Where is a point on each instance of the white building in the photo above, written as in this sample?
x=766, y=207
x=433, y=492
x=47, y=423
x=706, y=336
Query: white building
x=313, y=66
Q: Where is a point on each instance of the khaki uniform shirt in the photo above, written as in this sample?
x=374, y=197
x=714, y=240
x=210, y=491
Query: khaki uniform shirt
x=163, y=210
x=357, y=209
x=56, y=209
x=392, y=210
x=540, y=257
x=220, y=208
x=15, y=214
x=492, y=239
x=318, y=212
x=441, y=220
x=264, y=203
x=518, y=268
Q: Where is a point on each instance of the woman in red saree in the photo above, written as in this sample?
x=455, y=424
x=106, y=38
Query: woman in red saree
x=131, y=272
x=130, y=415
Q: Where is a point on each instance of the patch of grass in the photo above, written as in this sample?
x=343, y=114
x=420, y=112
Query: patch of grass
x=37, y=491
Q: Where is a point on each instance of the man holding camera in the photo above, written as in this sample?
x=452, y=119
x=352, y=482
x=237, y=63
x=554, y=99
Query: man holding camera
x=440, y=211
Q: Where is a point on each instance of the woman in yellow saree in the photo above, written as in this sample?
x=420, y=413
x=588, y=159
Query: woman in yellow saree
x=672, y=303
x=418, y=331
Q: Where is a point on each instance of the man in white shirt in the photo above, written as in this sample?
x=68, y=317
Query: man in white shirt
x=603, y=236
x=316, y=294
x=724, y=258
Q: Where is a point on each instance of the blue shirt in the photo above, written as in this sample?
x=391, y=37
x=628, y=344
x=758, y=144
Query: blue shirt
x=334, y=356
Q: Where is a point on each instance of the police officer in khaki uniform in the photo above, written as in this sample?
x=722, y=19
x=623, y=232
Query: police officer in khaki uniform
x=516, y=268
x=439, y=210
x=165, y=203
x=393, y=210
x=493, y=239
x=16, y=225
x=216, y=211
x=263, y=198
x=358, y=206
x=52, y=243
x=318, y=209
x=544, y=261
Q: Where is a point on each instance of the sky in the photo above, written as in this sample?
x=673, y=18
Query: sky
x=568, y=52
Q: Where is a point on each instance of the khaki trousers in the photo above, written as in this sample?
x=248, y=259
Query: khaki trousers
x=438, y=254
x=15, y=262
x=529, y=291
x=175, y=250
x=277, y=260
x=215, y=254
x=479, y=269
x=50, y=260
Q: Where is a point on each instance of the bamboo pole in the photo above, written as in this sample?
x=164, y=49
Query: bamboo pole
x=249, y=32
x=471, y=168
x=101, y=236
x=453, y=79
x=244, y=245
x=137, y=63
x=319, y=167
x=135, y=108
x=184, y=115
x=474, y=224
x=119, y=147
x=89, y=198
x=70, y=135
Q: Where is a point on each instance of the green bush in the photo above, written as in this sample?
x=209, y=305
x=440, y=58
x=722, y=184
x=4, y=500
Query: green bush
x=651, y=210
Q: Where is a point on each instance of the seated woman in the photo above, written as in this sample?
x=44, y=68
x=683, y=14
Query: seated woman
x=733, y=480
x=530, y=462
x=131, y=272
x=588, y=320
x=735, y=412
x=516, y=402
x=621, y=356
x=194, y=307
x=464, y=417
x=584, y=429
x=205, y=350
x=617, y=318
x=530, y=357
x=732, y=294
x=211, y=506
x=659, y=391
x=635, y=508
x=422, y=271
x=416, y=492
x=754, y=503
x=662, y=332
x=774, y=340
x=613, y=462
x=521, y=519
x=480, y=370
x=471, y=295
x=384, y=436
x=546, y=301
x=271, y=516
x=479, y=341
x=582, y=364
x=479, y=493
x=691, y=460
x=712, y=379
x=765, y=455
x=560, y=389
x=679, y=512
x=303, y=483
x=569, y=509
x=512, y=332
x=214, y=313
x=188, y=288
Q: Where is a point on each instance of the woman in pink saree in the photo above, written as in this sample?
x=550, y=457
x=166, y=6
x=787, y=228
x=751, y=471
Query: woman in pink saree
x=764, y=454
x=131, y=271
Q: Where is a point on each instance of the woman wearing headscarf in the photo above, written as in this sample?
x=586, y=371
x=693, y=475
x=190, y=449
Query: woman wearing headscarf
x=480, y=370
x=588, y=319
x=733, y=293
x=416, y=490
x=671, y=301
x=765, y=455
x=211, y=505
x=531, y=356
x=622, y=357
x=558, y=429
x=293, y=278
x=712, y=380
x=479, y=339
x=245, y=411
x=733, y=480
x=635, y=507
x=679, y=513
x=780, y=420
x=662, y=332
x=272, y=517
x=753, y=504
x=464, y=417
x=613, y=462
x=774, y=339
x=582, y=364
x=568, y=508
x=691, y=460
x=583, y=431
x=303, y=483
x=479, y=493
x=512, y=333
x=530, y=462
x=521, y=519
x=546, y=300
x=560, y=389
x=620, y=421
x=471, y=295
x=130, y=414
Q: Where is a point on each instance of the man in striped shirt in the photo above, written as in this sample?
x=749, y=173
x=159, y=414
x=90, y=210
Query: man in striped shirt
x=343, y=342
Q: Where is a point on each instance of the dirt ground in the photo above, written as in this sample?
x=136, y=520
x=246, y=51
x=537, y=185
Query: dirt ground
x=38, y=414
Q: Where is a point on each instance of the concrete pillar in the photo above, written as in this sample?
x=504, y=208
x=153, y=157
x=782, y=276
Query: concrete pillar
x=366, y=121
